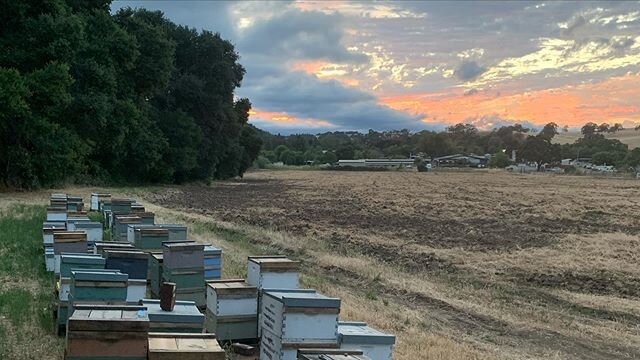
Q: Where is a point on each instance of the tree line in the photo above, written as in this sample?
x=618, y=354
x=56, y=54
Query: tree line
x=530, y=145
x=90, y=96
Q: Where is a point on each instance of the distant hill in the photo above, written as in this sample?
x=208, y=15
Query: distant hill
x=630, y=137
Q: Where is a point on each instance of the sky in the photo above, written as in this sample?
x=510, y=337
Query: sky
x=316, y=66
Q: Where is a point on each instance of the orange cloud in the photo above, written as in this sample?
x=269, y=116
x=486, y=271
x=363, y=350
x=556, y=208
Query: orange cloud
x=612, y=100
x=326, y=70
x=284, y=119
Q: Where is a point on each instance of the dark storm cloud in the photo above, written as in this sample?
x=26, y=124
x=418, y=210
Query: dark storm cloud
x=469, y=70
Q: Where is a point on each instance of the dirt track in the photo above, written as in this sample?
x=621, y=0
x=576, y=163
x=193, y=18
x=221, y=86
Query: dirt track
x=504, y=249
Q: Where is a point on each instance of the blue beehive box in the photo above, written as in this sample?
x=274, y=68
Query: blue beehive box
x=212, y=263
x=133, y=263
x=100, y=286
x=69, y=262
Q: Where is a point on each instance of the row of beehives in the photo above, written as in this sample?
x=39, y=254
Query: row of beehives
x=288, y=321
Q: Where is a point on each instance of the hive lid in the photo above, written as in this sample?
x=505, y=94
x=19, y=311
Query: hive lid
x=275, y=263
x=88, y=225
x=184, y=343
x=231, y=286
x=129, y=254
x=81, y=259
x=152, y=231
x=355, y=332
x=183, y=312
x=182, y=245
x=103, y=276
x=304, y=299
x=211, y=250
x=120, y=318
x=69, y=236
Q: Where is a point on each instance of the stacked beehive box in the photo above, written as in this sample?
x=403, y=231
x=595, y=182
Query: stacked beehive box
x=96, y=198
x=271, y=272
x=58, y=200
x=232, y=309
x=354, y=335
x=324, y=354
x=120, y=225
x=98, y=332
x=183, y=264
x=212, y=263
x=68, y=242
x=48, y=229
x=74, y=203
x=131, y=262
x=297, y=320
x=100, y=246
x=75, y=262
x=168, y=346
x=185, y=317
x=149, y=238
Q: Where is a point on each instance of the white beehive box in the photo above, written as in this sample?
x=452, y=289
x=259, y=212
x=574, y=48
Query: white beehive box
x=93, y=230
x=301, y=317
x=273, y=272
x=231, y=298
x=355, y=335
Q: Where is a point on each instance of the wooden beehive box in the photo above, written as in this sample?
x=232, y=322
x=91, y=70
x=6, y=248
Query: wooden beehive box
x=96, y=198
x=56, y=213
x=273, y=272
x=300, y=317
x=69, y=262
x=96, y=285
x=107, y=332
x=355, y=335
x=121, y=205
x=100, y=246
x=232, y=309
x=185, y=317
x=132, y=262
x=171, y=346
x=148, y=238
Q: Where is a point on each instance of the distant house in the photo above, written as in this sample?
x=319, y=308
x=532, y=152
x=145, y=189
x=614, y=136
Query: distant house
x=460, y=160
x=377, y=163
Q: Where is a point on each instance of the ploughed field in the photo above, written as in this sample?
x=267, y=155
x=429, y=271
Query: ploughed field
x=477, y=264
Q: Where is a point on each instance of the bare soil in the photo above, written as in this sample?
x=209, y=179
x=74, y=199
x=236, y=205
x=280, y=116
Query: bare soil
x=483, y=257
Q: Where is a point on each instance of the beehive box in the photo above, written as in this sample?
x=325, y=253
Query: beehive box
x=69, y=262
x=49, y=227
x=58, y=260
x=272, y=272
x=121, y=205
x=171, y=346
x=212, y=263
x=107, y=332
x=183, y=278
x=100, y=246
x=136, y=290
x=301, y=317
x=56, y=214
x=261, y=294
x=96, y=198
x=74, y=203
x=121, y=223
x=50, y=259
x=68, y=242
x=272, y=347
x=355, y=335
x=137, y=208
x=98, y=286
x=58, y=200
x=326, y=354
x=155, y=273
x=183, y=256
x=148, y=238
x=232, y=309
x=132, y=262
x=148, y=218
x=92, y=228
x=185, y=317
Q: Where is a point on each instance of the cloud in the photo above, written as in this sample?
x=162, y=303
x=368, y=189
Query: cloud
x=469, y=70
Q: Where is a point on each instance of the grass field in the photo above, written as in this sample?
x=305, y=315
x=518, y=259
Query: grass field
x=630, y=137
x=469, y=265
